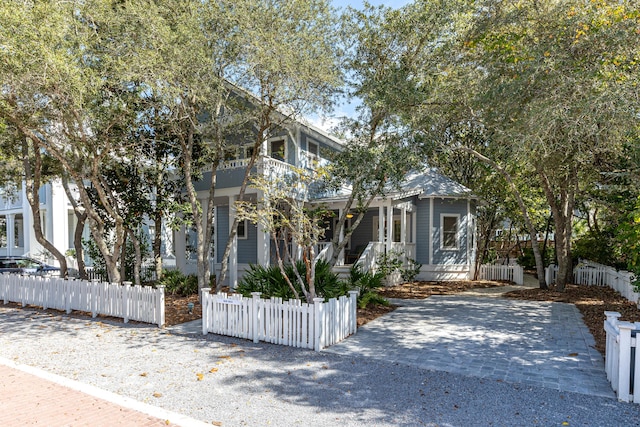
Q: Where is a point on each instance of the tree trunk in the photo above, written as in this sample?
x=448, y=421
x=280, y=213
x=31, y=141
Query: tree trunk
x=485, y=244
x=157, y=244
x=77, y=244
x=123, y=259
x=81, y=218
x=562, y=206
x=32, y=187
x=32, y=184
x=523, y=208
x=137, y=265
x=96, y=224
x=224, y=265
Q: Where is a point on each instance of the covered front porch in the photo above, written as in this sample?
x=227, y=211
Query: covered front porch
x=387, y=227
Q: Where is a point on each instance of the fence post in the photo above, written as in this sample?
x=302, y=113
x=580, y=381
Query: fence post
x=255, y=323
x=624, y=375
x=160, y=306
x=5, y=287
x=353, y=314
x=68, y=292
x=611, y=329
x=206, y=295
x=93, y=288
x=318, y=321
x=125, y=301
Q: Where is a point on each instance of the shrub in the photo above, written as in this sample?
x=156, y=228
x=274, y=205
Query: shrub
x=176, y=283
x=389, y=263
x=528, y=262
x=597, y=247
x=367, y=284
x=372, y=298
x=271, y=283
x=410, y=272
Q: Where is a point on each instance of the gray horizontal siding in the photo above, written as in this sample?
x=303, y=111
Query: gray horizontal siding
x=452, y=207
x=222, y=230
x=422, y=231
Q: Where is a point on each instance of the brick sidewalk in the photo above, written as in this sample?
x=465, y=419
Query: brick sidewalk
x=27, y=399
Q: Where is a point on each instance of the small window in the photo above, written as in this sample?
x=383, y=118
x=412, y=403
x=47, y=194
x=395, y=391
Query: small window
x=276, y=149
x=241, y=231
x=313, y=149
x=449, y=231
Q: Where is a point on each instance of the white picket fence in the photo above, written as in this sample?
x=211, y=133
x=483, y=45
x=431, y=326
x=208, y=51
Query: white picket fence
x=140, y=303
x=594, y=274
x=622, y=361
x=512, y=273
x=292, y=323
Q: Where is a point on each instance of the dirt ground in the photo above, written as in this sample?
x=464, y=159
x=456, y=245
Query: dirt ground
x=592, y=301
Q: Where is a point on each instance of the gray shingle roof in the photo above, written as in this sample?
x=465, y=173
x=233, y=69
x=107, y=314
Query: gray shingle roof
x=431, y=183
x=425, y=183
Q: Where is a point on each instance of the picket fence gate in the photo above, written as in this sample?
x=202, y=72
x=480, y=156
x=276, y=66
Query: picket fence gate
x=512, y=273
x=622, y=361
x=292, y=323
x=594, y=274
x=140, y=303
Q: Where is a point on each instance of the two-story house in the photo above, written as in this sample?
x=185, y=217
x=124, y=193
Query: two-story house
x=431, y=219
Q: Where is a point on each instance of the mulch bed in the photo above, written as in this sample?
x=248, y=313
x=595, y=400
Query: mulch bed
x=421, y=290
x=176, y=310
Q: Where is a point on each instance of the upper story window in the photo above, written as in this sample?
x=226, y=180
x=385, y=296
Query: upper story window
x=314, y=149
x=242, y=230
x=236, y=152
x=449, y=236
x=277, y=149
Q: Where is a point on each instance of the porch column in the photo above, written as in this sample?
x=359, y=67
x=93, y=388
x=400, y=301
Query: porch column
x=403, y=225
x=233, y=256
x=431, y=248
x=59, y=216
x=264, y=246
x=389, y=225
x=180, y=248
x=414, y=225
x=11, y=243
x=341, y=256
x=381, y=223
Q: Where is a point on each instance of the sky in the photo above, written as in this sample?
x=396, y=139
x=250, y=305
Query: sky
x=345, y=109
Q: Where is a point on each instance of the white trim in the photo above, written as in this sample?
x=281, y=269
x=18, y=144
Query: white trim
x=457, y=236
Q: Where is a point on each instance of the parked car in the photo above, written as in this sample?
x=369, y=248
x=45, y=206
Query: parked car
x=25, y=265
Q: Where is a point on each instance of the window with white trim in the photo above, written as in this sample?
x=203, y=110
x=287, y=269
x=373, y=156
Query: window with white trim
x=277, y=149
x=243, y=230
x=313, y=149
x=449, y=231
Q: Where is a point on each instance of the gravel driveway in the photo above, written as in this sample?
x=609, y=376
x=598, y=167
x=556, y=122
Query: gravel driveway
x=235, y=382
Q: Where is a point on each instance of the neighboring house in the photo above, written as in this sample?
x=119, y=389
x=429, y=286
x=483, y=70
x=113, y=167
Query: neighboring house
x=16, y=221
x=432, y=217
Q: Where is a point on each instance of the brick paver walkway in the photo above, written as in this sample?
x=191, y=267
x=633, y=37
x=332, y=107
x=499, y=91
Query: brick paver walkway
x=28, y=400
x=544, y=344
